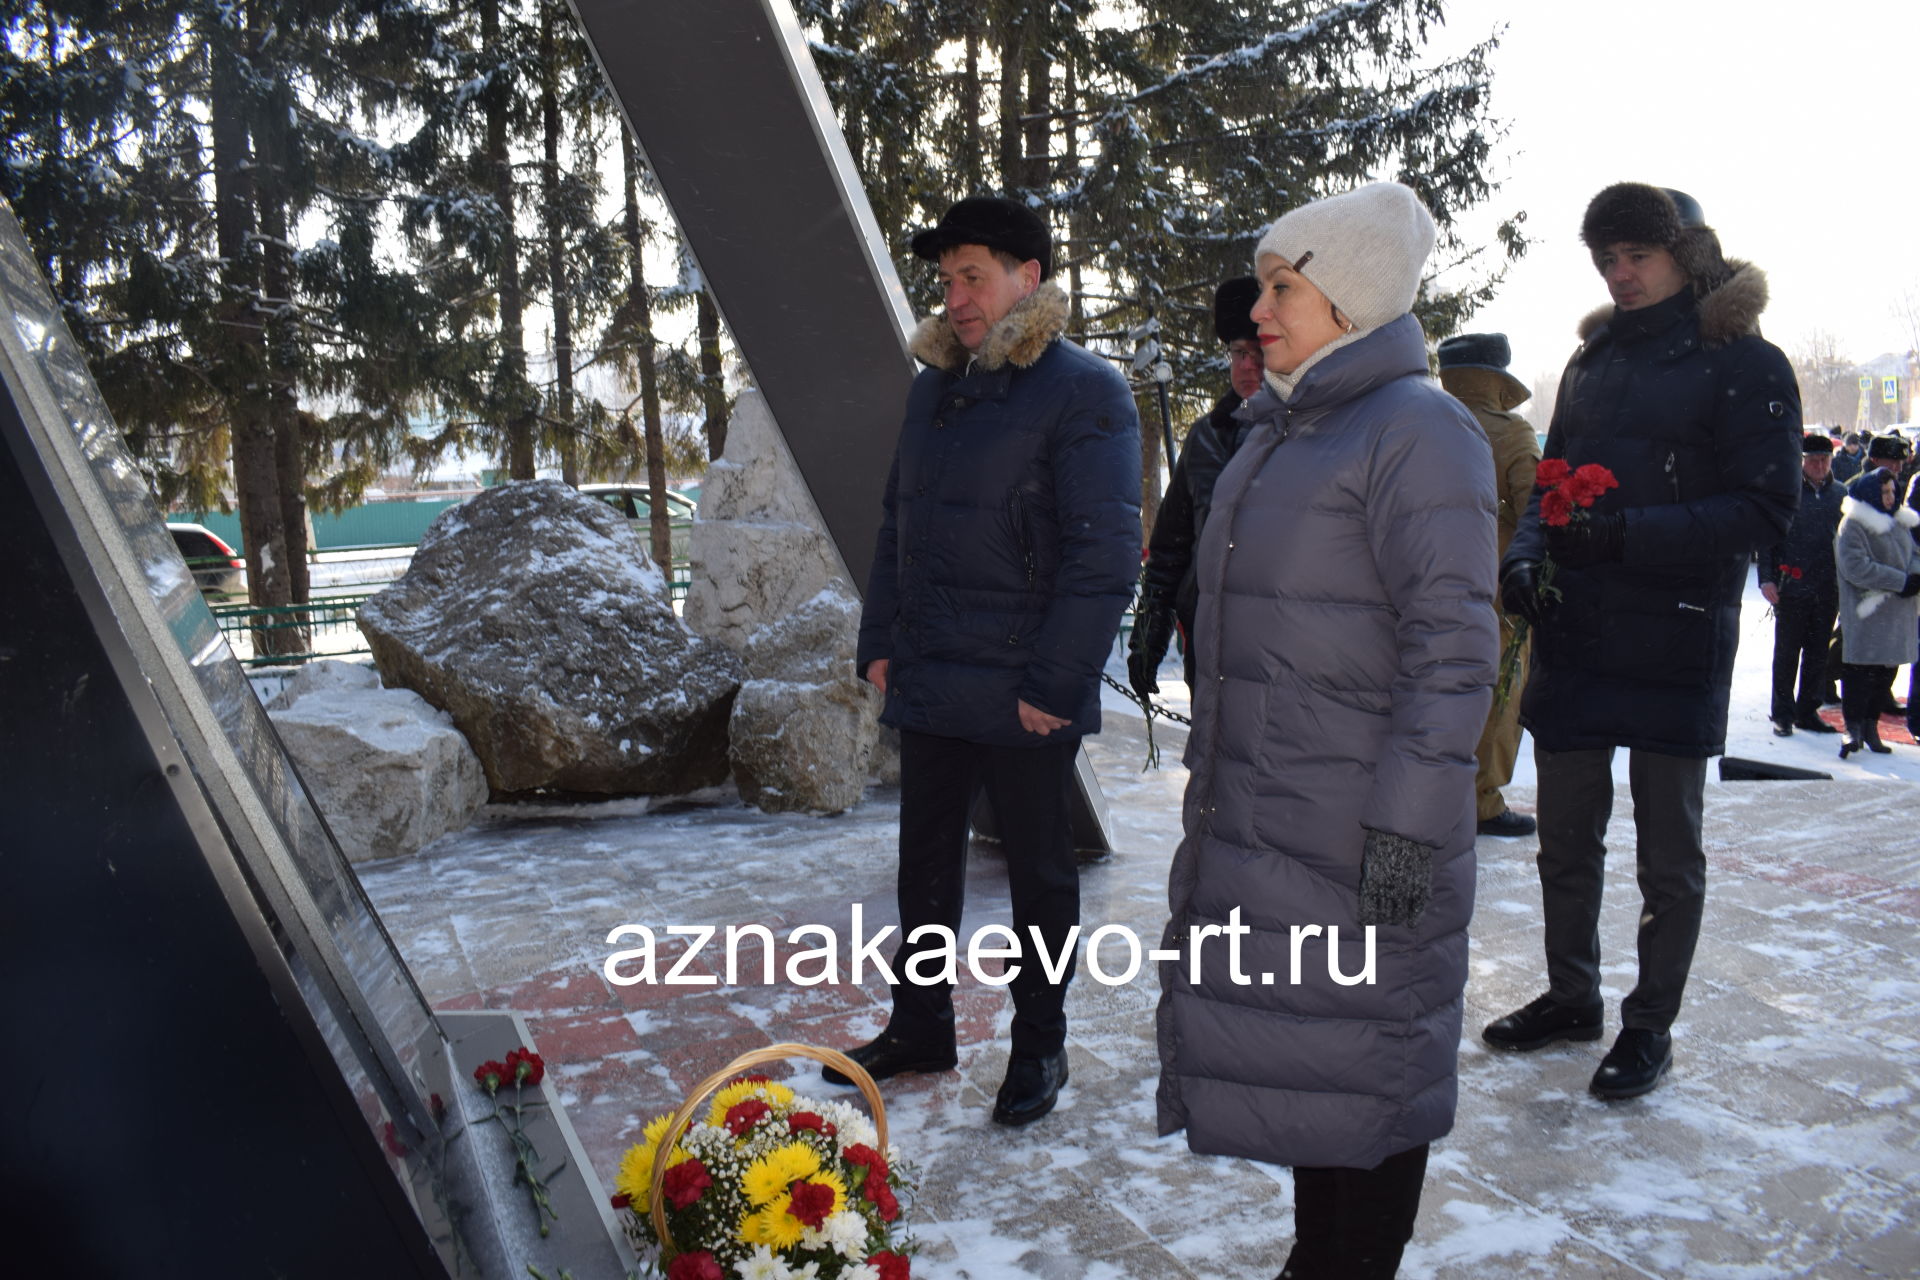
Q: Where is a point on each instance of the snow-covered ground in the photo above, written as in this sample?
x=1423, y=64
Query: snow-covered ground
x=1786, y=1142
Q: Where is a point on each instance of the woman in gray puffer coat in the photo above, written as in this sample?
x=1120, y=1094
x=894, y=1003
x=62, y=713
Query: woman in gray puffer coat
x=1347, y=651
x=1879, y=571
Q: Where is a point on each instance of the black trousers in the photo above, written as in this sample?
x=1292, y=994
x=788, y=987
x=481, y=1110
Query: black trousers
x=1801, y=632
x=1864, y=690
x=1575, y=797
x=1028, y=788
x=1353, y=1224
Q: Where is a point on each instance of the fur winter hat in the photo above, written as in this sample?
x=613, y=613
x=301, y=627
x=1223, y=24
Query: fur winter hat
x=1891, y=448
x=1007, y=226
x=1233, y=309
x=1816, y=442
x=1364, y=249
x=1636, y=213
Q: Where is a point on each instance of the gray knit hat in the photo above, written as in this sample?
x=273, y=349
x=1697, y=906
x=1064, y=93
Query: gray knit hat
x=1364, y=249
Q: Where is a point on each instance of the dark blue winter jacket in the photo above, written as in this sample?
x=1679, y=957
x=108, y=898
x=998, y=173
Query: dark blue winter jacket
x=1699, y=419
x=1801, y=564
x=1011, y=532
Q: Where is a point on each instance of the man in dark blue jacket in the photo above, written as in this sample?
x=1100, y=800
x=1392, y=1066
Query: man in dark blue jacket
x=1007, y=551
x=1698, y=418
x=1798, y=579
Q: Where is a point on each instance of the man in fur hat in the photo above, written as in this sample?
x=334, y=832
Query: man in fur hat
x=1473, y=369
x=1697, y=416
x=1797, y=578
x=1167, y=590
x=1008, y=548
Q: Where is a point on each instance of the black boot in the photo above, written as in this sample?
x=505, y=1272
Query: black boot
x=1872, y=726
x=1856, y=738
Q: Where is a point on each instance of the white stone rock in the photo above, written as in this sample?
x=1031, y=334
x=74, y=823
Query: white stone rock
x=389, y=772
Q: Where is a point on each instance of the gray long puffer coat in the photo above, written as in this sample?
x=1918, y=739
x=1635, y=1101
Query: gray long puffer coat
x=1347, y=653
x=1874, y=553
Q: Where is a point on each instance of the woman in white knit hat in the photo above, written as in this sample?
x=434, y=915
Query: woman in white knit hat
x=1320, y=898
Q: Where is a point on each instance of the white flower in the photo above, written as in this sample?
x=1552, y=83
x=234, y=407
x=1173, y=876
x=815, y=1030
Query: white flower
x=762, y=1265
x=861, y=1271
x=845, y=1233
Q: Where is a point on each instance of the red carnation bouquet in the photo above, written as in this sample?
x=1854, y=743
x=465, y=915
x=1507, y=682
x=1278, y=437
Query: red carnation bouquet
x=1568, y=493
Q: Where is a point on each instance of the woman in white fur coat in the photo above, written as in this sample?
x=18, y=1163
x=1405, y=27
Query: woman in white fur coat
x=1879, y=568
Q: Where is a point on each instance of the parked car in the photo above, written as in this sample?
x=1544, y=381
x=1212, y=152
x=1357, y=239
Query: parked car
x=635, y=502
x=217, y=567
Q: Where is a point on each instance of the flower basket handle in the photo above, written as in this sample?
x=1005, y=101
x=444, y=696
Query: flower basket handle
x=683, y=1118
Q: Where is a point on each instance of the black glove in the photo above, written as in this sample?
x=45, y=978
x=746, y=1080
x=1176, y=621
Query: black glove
x=1594, y=540
x=1912, y=588
x=1520, y=592
x=1396, y=879
x=1152, y=630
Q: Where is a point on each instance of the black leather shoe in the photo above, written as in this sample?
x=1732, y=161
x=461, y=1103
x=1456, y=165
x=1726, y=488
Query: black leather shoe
x=886, y=1056
x=1782, y=729
x=1508, y=823
x=1814, y=724
x=1634, y=1065
x=1542, y=1021
x=1031, y=1088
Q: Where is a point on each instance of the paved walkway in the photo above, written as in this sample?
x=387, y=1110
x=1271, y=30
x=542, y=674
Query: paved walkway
x=1786, y=1143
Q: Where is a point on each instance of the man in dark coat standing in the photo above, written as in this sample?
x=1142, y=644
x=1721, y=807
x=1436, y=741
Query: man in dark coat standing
x=1167, y=590
x=1698, y=418
x=1007, y=550
x=1797, y=578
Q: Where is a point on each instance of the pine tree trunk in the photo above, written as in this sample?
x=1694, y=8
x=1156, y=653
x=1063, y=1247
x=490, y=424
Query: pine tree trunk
x=640, y=309
x=973, y=148
x=1034, y=174
x=713, y=387
x=556, y=253
x=510, y=374
x=255, y=482
x=282, y=338
x=1012, y=59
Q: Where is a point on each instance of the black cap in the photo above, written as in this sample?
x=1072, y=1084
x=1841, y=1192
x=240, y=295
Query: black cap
x=1816, y=442
x=1233, y=309
x=1887, y=447
x=1476, y=351
x=993, y=221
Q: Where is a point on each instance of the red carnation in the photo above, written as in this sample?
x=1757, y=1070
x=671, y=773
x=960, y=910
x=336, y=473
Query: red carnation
x=1552, y=471
x=892, y=1266
x=526, y=1067
x=1798, y=574
x=619, y=1200
x=685, y=1183
x=861, y=1153
x=884, y=1201
x=390, y=1139
x=697, y=1266
x=1589, y=482
x=491, y=1074
x=811, y=1202
x=800, y=1121
x=1556, y=508
x=742, y=1116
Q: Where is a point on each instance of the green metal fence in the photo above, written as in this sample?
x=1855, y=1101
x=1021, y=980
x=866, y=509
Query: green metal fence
x=325, y=627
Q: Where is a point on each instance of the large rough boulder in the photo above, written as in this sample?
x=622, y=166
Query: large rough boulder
x=533, y=615
x=388, y=771
x=768, y=583
x=803, y=726
x=758, y=547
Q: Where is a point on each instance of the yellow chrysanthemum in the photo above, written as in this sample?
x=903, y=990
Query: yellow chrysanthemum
x=768, y=1178
x=636, y=1167
x=740, y=1090
x=772, y=1226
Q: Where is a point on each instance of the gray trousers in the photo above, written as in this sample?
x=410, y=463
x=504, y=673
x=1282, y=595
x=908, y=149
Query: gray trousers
x=1575, y=798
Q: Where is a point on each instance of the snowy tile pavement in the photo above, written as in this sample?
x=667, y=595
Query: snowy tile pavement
x=1786, y=1142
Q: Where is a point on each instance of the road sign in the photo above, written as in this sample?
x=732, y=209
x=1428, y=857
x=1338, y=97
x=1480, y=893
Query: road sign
x=1890, y=390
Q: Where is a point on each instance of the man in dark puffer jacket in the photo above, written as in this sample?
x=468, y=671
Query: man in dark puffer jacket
x=1797, y=578
x=1167, y=589
x=1007, y=551
x=1698, y=417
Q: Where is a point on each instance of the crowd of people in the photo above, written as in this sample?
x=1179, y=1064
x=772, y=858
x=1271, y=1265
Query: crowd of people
x=1347, y=547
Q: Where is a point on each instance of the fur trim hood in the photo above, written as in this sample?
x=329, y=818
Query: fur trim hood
x=1877, y=521
x=1020, y=338
x=1728, y=312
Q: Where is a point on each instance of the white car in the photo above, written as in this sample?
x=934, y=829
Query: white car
x=635, y=502
x=217, y=567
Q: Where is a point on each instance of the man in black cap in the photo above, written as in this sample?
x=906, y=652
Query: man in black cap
x=1008, y=548
x=1797, y=578
x=1473, y=369
x=1697, y=417
x=1167, y=590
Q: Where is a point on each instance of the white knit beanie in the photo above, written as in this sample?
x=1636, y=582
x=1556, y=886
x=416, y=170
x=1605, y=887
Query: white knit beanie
x=1364, y=249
